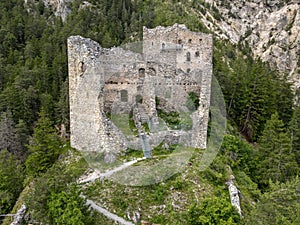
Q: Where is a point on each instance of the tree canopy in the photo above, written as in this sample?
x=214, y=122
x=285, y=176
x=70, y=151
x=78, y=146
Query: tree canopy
x=44, y=147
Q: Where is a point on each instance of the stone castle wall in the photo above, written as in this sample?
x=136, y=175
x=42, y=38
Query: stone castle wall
x=171, y=62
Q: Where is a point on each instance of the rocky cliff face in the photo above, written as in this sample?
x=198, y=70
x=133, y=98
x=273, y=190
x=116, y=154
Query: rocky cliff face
x=59, y=7
x=271, y=27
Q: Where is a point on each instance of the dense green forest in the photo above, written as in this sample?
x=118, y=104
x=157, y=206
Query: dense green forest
x=262, y=145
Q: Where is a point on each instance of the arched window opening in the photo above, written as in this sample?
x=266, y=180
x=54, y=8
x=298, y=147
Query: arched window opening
x=188, y=70
x=141, y=72
x=163, y=46
x=81, y=67
x=152, y=71
x=179, y=44
x=124, y=96
x=197, y=54
x=188, y=56
x=190, y=41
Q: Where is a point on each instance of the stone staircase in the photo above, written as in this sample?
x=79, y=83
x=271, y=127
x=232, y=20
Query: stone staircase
x=145, y=145
x=140, y=116
x=144, y=118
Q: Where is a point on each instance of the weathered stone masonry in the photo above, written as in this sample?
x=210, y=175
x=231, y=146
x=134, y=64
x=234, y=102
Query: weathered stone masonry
x=171, y=62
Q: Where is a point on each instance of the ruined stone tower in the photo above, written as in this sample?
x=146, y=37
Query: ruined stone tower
x=106, y=84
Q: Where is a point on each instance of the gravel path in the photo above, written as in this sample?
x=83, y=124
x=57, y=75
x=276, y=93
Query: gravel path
x=96, y=174
x=106, y=213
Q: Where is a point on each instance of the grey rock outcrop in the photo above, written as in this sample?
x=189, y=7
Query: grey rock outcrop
x=272, y=29
x=19, y=216
x=234, y=194
x=60, y=7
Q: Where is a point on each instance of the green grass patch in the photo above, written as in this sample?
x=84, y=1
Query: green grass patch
x=171, y=118
x=96, y=160
x=125, y=123
x=131, y=154
x=186, y=122
x=160, y=150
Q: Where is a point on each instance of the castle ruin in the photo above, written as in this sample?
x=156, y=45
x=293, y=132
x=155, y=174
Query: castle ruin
x=117, y=95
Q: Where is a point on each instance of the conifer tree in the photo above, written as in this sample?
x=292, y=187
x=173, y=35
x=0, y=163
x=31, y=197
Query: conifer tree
x=68, y=208
x=295, y=133
x=11, y=180
x=279, y=206
x=277, y=162
x=62, y=106
x=7, y=132
x=44, y=147
x=22, y=133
